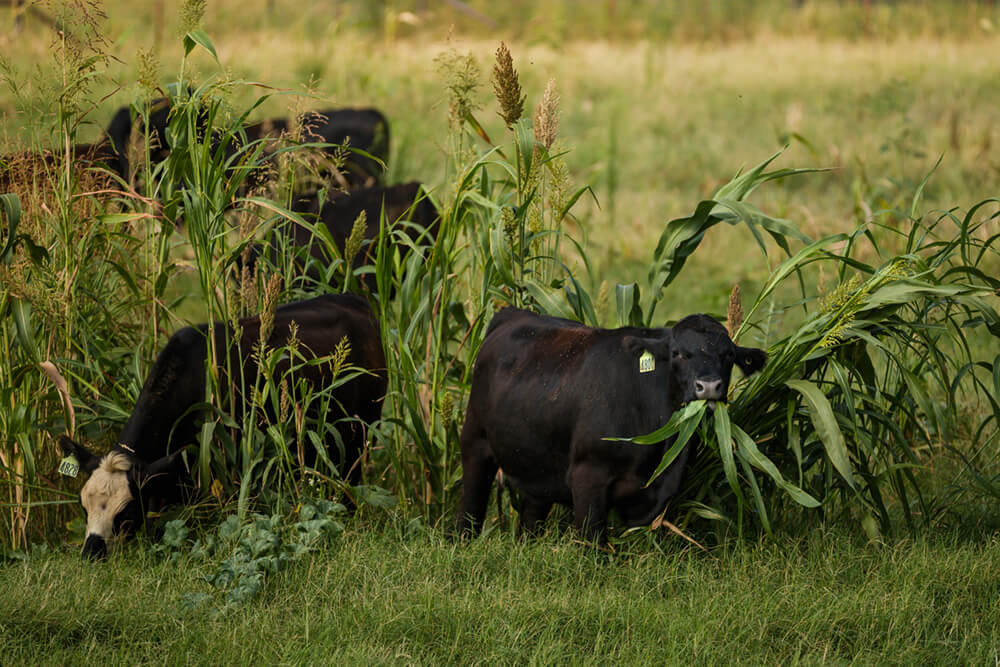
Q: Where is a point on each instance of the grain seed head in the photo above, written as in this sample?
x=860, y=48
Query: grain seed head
x=192, y=11
x=734, y=316
x=353, y=243
x=462, y=82
x=507, y=87
x=547, y=116
x=271, y=293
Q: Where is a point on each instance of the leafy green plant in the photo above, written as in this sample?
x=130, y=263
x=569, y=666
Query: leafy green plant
x=864, y=389
x=245, y=553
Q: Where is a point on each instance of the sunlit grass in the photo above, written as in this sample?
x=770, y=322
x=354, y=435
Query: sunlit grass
x=401, y=594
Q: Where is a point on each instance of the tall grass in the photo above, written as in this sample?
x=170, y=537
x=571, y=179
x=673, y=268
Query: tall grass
x=93, y=268
x=873, y=379
x=864, y=385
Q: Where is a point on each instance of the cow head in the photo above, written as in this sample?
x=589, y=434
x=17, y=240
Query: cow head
x=702, y=357
x=698, y=357
x=119, y=490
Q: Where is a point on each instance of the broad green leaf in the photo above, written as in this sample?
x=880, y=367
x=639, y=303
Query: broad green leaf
x=755, y=457
x=10, y=204
x=724, y=438
x=201, y=38
x=21, y=310
x=692, y=412
x=687, y=430
x=821, y=414
x=627, y=306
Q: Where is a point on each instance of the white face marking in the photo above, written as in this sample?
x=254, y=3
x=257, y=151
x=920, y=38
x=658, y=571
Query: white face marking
x=106, y=494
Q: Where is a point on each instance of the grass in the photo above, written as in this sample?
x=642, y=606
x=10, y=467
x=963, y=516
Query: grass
x=405, y=594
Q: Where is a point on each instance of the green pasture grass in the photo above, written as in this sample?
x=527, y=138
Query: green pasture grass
x=398, y=595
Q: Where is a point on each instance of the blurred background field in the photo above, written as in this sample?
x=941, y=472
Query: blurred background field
x=661, y=102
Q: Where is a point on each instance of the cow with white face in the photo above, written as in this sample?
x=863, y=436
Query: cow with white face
x=146, y=470
x=120, y=490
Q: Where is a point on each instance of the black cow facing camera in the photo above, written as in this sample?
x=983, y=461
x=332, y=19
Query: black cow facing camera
x=145, y=470
x=546, y=391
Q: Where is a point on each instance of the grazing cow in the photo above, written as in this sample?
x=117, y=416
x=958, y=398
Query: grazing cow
x=338, y=212
x=145, y=470
x=111, y=151
x=120, y=131
x=364, y=129
x=22, y=170
x=546, y=391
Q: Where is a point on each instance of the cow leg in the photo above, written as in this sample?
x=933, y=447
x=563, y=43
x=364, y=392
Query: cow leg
x=533, y=514
x=589, y=486
x=479, y=469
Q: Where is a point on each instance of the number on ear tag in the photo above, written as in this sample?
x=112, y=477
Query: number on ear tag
x=646, y=362
x=69, y=466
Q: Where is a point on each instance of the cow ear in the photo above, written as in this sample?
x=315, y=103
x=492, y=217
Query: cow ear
x=750, y=359
x=168, y=467
x=636, y=345
x=88, y=462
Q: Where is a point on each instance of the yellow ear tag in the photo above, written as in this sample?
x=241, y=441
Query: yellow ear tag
x=69, y=466
x=646, y=362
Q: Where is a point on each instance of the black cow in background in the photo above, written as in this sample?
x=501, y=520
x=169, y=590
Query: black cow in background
x=145, y=469
x=120, y=132
x=546, y=391
x=109, y=152
x=364, y=129
x=405, y=202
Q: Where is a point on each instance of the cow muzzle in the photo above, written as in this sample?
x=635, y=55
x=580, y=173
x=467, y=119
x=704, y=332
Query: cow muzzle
x=708, y=389
x=94, y=548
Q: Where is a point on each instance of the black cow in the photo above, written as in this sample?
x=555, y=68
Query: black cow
x=407, y=201
x=364, y=129
x=110, y=151
x=21, y=170
x=120, y=131
x=546, y=391
x=145, y=469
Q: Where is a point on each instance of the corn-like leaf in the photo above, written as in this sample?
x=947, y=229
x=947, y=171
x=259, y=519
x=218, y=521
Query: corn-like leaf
x=686, y=431
x=627, y=306
x=689, y=414
x=201, y=38
x=748, y=448
x=10, y=204
x=724, y=438
x=821, y=414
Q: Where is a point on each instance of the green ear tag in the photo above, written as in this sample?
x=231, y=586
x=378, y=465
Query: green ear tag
x=69, y=466
x=646, y=362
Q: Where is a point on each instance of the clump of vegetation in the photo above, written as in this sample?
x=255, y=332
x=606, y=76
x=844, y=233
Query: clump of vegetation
x=869, y=377
x=872, y=380
x=246, y=553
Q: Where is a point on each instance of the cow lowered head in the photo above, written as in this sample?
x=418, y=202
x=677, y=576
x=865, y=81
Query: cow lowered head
x=699, y=357
x=120, y=490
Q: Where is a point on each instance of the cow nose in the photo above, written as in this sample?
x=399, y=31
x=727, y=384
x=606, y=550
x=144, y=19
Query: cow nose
x=710, y=390
x=94, y=548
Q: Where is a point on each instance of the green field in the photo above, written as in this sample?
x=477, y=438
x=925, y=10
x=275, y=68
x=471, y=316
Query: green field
x=658, y=109
x=382, y=594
